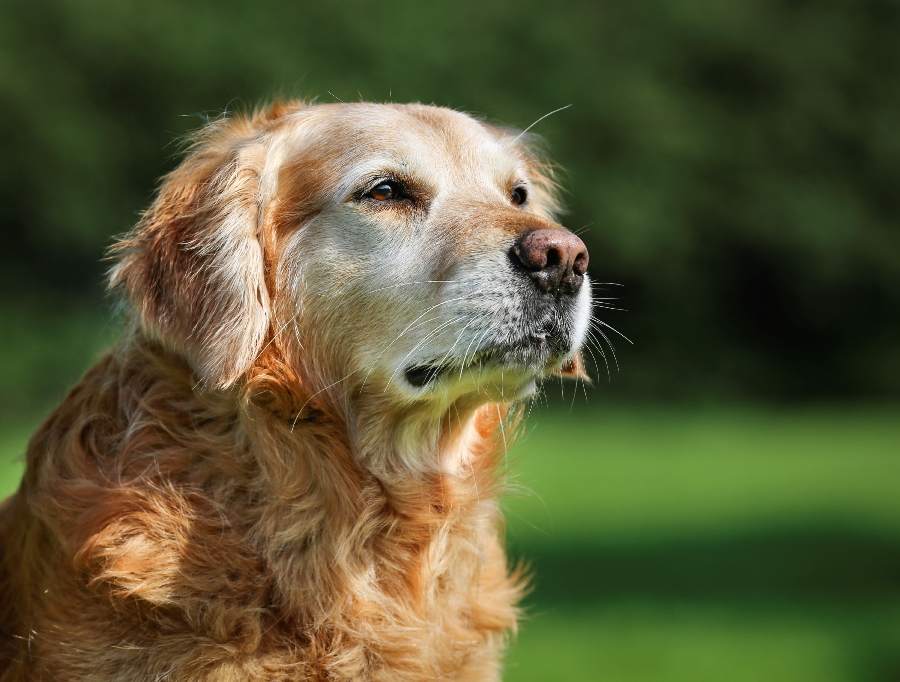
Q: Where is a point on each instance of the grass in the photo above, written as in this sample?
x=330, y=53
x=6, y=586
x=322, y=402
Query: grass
x=712, y=544
x=741, y=544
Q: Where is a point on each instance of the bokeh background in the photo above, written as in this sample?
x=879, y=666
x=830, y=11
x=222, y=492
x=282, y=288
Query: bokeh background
x=726, y=504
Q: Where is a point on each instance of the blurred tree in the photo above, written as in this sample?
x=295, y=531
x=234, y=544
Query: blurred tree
x=732, y=163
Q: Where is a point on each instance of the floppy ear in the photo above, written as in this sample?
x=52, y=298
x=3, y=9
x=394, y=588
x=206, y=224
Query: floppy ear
x=193, y=267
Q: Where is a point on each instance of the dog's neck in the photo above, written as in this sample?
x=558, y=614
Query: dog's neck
x=282, y=423
x=391, y=483
x=417, y=447
x=387, y=438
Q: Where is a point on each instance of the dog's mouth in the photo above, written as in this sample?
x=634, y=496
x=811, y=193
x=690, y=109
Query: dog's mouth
x=420, y=376
x=530, y=356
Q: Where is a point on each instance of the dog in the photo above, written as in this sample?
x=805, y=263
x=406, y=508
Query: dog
x=288, y=467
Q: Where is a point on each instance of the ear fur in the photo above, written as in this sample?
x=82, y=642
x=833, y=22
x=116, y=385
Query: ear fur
x=193, y=267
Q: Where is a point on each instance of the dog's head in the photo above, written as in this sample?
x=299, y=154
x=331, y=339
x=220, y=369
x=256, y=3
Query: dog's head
x=406, y=249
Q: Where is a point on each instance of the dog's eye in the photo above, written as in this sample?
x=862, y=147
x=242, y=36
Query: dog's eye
x=388, y=190
x=519, y=195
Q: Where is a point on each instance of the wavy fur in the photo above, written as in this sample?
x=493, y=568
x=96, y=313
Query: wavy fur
x=213, y=501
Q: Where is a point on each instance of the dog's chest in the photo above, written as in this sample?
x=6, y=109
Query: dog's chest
x=402, y=606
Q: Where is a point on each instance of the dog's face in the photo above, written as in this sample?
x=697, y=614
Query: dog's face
x=403, y=248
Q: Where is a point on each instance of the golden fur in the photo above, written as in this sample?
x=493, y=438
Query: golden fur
x=218, y=499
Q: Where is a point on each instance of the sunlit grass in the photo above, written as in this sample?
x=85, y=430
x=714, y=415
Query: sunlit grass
x=626, y=471
x=644, y=642
x=710, y=544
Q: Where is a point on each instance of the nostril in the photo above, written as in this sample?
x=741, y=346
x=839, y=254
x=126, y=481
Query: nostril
x=579, y=267
x=554, y=257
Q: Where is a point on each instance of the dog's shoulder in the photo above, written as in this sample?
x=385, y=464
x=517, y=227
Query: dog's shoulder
x=119, y=521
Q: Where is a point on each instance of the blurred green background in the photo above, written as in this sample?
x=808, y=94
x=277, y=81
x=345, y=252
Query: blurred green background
x=726, y=506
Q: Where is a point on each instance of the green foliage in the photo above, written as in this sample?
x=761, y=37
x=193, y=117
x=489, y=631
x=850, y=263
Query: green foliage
x=734, y=162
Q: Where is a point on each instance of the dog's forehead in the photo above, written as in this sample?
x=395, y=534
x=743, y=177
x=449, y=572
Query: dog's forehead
x=414, y=137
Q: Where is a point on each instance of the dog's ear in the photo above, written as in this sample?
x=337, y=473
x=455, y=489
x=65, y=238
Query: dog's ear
x=193, y=266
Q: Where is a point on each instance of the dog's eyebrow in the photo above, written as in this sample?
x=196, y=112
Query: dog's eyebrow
x=371, y=171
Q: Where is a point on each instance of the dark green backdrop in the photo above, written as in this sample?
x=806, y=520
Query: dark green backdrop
x=734, y=163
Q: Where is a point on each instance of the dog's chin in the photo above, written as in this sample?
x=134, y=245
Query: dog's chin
x=509, y=372
x=483, y=381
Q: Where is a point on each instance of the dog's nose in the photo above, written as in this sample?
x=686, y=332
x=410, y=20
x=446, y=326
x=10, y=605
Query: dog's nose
x=554, y=258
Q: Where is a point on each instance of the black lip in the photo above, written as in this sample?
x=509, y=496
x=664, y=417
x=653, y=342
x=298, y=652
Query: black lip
x=422, y=375
x=533, y=350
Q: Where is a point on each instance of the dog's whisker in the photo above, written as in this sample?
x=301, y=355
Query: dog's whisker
x=611, y=328
x=584, y=390
x=612, y=349
x=418, y=322
x=373, y=365
x=574, y=393
x=581, y=230
x=318, y=393
x=294, y=317
x=427, y=310
x=278, y=332
x=545, y=116
x=587, y=346
x=465, y=360
x=406, y=284
x=426, y=338
x=456, y=342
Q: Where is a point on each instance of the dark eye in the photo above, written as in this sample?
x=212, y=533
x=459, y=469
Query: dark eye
x=519, y=195
x=387, y=190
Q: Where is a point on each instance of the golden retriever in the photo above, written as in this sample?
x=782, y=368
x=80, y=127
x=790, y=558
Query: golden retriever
x=287, y=469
